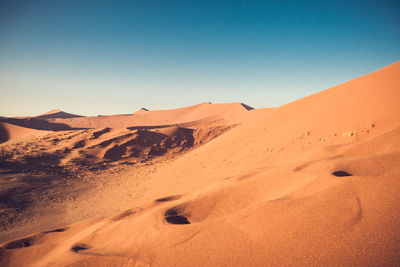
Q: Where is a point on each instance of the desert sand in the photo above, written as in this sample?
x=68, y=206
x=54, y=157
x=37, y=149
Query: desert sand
x=315, y=182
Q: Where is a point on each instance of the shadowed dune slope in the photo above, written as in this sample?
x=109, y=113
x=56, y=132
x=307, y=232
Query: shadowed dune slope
x=56, y=113
x=312, y=183
x=10, y=132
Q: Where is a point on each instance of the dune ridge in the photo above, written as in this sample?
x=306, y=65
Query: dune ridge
x=9, y=132
x=206, y=112
x=56, y=114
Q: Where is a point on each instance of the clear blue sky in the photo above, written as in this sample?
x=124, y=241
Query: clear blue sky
x=109, y=57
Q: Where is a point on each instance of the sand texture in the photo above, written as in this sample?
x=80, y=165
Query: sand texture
x=315, y=182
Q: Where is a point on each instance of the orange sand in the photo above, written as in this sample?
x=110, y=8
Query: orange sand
x=11, y=132
x=315, y=182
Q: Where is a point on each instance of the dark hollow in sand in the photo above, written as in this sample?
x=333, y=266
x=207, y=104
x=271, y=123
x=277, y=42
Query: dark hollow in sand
x=59, y=230
x=79, y=247
x=21, y=243
x=168, y=198
x=341, y=173
x=177, y=220
x=172, y=216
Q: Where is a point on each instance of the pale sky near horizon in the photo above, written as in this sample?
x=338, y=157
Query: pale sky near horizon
x=114, y=57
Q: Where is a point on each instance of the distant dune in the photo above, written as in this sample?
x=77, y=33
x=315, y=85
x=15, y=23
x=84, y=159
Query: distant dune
x=206, y=112
x=11, y=132
x=56, y=114
x=315, y=182
x=140, y=111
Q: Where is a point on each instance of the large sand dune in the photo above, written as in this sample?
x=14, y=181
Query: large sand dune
x=311, y=183
x=55, y=114
x=221, y=114
x=10, y=132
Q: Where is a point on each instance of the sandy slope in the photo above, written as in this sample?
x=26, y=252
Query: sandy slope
x=56, y=113
x=10, y=132
x=314, y=182
x=221, y=114
x=201, y=115
x=42, y=178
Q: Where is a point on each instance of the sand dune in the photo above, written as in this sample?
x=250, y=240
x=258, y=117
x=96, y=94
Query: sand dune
x=221, y=114
x=44, y=171
x=56, y=114
x=312, y=183
x=10, y=132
